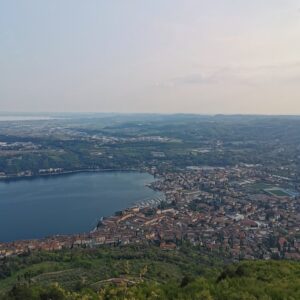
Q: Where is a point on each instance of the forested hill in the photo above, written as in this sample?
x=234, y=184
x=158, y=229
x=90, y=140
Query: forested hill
x=145, y=273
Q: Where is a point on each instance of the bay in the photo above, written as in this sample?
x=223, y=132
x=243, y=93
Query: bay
x=35, y=208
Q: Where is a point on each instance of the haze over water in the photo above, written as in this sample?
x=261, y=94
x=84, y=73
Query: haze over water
x=35, y=208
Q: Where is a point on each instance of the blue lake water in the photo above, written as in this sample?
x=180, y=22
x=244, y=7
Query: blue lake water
x=33, y=208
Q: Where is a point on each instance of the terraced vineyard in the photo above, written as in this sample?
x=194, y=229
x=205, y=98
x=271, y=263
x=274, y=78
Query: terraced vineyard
x=145, y=272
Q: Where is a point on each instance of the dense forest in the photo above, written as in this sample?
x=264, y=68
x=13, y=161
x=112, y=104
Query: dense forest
x=144, y=273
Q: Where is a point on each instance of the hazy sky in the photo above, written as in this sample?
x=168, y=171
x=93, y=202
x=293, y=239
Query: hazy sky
x=200, y=56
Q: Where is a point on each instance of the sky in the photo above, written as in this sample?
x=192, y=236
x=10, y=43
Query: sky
x=161, y=56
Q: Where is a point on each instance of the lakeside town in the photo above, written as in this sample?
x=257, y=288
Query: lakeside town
x=240, y=212
x=149, y=150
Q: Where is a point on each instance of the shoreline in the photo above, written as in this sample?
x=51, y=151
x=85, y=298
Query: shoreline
x=31, y=177
x=12, y=179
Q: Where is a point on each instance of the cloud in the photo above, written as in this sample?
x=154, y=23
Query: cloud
x=246, y=75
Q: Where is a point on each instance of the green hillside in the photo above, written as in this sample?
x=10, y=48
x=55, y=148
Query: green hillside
x=144, y=273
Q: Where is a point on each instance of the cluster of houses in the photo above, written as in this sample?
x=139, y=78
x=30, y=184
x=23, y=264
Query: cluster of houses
x=213, y=209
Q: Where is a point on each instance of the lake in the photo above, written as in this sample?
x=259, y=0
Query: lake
x=34, y=208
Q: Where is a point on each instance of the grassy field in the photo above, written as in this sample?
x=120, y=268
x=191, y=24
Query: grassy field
x=260, y=187
x=276, y=192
